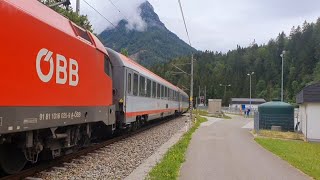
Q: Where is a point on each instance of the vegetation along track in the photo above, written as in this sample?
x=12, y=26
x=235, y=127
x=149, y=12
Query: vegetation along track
x=42, y=166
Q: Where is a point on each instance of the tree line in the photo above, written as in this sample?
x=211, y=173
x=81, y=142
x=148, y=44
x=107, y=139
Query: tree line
x=301, y=67
x=301, y=64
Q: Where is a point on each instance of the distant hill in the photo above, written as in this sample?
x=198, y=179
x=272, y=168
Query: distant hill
x=154, y=45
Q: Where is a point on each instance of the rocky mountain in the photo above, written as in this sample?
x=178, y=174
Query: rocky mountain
x=156, y=44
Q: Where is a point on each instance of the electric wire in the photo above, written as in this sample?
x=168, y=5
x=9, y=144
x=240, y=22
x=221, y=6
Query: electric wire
x=119, y=10
x=184, y=21
x=99, y=13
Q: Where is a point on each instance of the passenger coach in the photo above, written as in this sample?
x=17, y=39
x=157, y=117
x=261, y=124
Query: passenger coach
x=140, y=95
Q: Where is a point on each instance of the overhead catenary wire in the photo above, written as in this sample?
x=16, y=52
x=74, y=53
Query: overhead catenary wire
x=99, y=13
x=119, y=10
x=191, y=74
x=184, y=21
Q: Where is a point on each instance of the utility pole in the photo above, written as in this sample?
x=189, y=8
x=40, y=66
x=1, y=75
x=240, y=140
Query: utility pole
x=191, y=84
x=205, y=95
x=225, y=89
x=199, y=95
x=78, y=7
x=191, y=89
x=282, y=57
x=64, y=2
x=252, y=73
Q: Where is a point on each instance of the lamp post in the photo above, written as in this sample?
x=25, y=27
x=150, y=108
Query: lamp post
x=225, y=88
x=282, y=57
x=250, y=74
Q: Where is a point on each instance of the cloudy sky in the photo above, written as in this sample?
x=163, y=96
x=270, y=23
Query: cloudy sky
x=213, y=24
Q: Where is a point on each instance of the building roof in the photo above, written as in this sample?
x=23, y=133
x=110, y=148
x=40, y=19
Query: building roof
x=247, y=101
x=310, y=93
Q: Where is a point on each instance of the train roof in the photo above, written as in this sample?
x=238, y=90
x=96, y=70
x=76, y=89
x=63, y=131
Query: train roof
x=45, y=14
x=122, y=60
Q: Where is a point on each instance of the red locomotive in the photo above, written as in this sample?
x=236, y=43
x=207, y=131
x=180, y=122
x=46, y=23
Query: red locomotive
x=60, y=87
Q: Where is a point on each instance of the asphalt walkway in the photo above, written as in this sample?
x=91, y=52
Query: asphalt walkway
x=224, y=149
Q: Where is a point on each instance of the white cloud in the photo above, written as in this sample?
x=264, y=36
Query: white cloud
x=213, y=24
x=129, y=10
x=222, y=25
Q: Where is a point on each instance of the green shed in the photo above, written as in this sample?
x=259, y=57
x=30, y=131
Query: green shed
x=276, y=113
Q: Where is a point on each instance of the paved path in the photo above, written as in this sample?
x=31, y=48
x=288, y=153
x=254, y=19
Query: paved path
x=226, y=150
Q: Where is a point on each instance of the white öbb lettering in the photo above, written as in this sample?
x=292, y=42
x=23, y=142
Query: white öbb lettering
x=61, y=68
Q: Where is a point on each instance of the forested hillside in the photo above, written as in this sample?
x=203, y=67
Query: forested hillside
x=301, y=66
x=155, y=44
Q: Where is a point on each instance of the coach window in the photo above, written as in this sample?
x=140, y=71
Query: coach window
x=148, y=88
x=173, y=95
x=158, y=91
x=154, y=89
x=129, y=83
x=135, y=84
x=107, y=66
x=142, y=89
x=162, y=92
x=166, y=91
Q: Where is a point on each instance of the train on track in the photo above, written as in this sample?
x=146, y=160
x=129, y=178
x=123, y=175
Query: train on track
x=61, y=88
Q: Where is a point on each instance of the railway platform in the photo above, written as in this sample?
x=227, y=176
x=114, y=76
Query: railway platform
x=224, y=149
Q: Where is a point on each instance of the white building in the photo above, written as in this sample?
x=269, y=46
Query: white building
x=309, y=112
x=244, y=103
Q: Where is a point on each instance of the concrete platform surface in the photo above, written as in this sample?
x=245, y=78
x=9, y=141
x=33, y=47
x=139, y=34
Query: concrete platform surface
x=226, y=150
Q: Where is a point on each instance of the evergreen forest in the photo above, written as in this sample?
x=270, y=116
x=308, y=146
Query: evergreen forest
x=301, y=67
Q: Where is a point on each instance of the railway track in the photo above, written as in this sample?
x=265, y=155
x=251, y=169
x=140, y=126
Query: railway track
x=42, y=166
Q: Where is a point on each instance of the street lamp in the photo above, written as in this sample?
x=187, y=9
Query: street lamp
x=250, y=74
x=282, y=57
x=225, y=88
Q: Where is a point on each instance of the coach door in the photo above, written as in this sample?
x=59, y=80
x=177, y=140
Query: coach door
x=130, y=89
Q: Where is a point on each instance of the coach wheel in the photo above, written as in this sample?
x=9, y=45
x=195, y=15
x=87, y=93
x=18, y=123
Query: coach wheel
x=134, y=126
x=12, y=159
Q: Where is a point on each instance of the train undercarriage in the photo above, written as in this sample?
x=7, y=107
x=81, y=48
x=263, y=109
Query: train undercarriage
x=17, y=150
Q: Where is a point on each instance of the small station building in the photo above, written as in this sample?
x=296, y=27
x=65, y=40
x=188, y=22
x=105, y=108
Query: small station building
x=309, y=112
x=243, y=103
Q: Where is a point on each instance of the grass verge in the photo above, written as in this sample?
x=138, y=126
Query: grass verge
x=170, y=165
x=200, y=112
x=302, y=155
x=223, y=116
x=205, y=113
x=282, y=135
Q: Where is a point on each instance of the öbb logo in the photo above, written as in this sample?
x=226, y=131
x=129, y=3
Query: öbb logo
x=61, y=65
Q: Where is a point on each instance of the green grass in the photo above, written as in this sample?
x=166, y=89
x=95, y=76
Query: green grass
x=205, y=113
x=223, y=116
x=169, y=167
x=302, y=155
x=200, y=112
x=281, y=135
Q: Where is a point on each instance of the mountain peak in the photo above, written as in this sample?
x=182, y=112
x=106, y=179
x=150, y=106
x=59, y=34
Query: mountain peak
x=155, y=44
x=149, y=16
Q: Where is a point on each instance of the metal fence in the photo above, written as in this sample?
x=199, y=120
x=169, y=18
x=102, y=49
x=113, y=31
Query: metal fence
x=266, y=121
x=231, y=110
x=256, y=121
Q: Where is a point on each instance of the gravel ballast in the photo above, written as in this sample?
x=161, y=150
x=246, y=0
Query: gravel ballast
x=118, y=160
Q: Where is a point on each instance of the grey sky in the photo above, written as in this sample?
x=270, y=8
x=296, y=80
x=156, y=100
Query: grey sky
x=214, y=24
